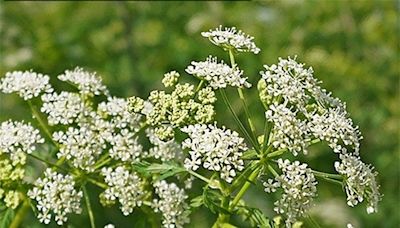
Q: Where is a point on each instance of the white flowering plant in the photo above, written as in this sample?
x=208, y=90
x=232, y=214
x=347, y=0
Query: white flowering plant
x=144, y=154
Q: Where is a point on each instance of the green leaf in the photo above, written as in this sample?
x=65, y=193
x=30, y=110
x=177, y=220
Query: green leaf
x=226, y=225
x=6, y=216
x=161, y=171
x=212, y=200
x=254, y=216
x=197, y=201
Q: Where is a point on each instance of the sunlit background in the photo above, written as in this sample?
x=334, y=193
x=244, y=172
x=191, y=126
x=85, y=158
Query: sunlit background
x=353, y=47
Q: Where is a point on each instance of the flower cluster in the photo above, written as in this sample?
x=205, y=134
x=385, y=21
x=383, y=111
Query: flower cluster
x=16, y=139
x=81, y=146
x=171, y=204
x=299, y=189
x=230, y=38
x=219, y=75
x=27, y=84
x=55, y=193
x=305, y=110
x=125, y=186
x=216, y=149
x=170, y=78
x=180, y=107
x=335, y=127
x=163, y=150
x=360, y=182
x=62, y=108
x=289, y=132
x=87, y=83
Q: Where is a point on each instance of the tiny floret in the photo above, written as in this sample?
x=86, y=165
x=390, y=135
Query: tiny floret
x=27, y=84
x=230, y=38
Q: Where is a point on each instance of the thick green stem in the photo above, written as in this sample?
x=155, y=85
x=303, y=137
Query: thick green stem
x=244, y=188
x=89, y=207
x=20, y=215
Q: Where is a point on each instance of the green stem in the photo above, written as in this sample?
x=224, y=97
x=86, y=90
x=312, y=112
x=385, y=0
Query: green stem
x=89, y=207
x=242, y=98
x=102, y=161
x=248, y=116
x=272, y=170
x=327, y=175
x=97, y=183
x=42, y=124
x=47, y=162
x=244, y=188
x=20, y=215
x=267, y=132
x=236, y=118
x=276, y=153
x=201, y=83
x=203, y=178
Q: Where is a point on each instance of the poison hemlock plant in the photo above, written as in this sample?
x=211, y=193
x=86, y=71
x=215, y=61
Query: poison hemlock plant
x=130, y=149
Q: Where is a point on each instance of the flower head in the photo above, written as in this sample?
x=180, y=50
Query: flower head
x=55, y=193
x=62, y=108
x=360, y=182
x=87, y=83
x=230, y=38
x=215, y=149
x=27, y=84
x=125, y=186
x=299, y=190
x=171, y=204
x=219, y=75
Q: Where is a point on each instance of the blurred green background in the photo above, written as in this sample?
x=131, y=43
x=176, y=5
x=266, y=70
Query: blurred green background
x=353, y=47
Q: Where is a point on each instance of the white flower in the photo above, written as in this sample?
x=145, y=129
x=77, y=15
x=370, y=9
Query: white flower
x=219, y=75
x=171, y=204
x=163, y=150
x=295, y=84
x=87, y=83
x=55, y=193
x=62, y=108
x=217, y=149
x=299, y=190
x=360, y=182
x=109, y=226
x=230, y=38
x=81, y=146
x=16, y=137
x=125, y=146
x=288, y=131
x=116, y=109
x=337, y=129
x=27, y=84
x=125, y=186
